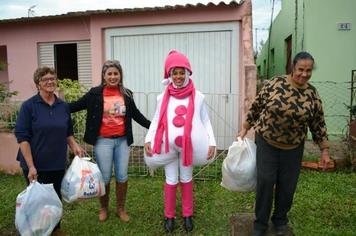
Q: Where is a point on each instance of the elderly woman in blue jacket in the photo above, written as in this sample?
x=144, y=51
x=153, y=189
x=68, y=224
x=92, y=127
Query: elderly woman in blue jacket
x=43, y=131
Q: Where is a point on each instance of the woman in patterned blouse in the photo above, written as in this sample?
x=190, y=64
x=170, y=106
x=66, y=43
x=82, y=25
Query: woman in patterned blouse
x=281, y=114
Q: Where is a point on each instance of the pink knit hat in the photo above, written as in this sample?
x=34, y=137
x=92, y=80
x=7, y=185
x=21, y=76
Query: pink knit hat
x=175, y=59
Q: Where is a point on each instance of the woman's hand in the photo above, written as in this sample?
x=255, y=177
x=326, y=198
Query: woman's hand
x=148, y=149
x=325, y=158
x=75, y=147
x=242, y=133
x=32, y=174
x=211, y=152
x=78, y=150
x=26, y=152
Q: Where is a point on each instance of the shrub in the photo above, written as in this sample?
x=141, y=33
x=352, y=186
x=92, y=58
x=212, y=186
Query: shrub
x=2, y=66
x=4, y=91
x=8, y=111
x=8, y=115
x=72, y=91
x=5, y=94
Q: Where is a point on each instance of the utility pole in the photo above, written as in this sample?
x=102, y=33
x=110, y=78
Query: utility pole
x=256, y=37
x=256, y=41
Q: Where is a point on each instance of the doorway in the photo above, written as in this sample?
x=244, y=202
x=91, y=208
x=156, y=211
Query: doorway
x=288, y=43
x=66, y=61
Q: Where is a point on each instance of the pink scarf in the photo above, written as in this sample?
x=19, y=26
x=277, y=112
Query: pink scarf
x=180, y=93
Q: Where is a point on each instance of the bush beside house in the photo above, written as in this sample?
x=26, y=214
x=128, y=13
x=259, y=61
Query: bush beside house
x=8, y=114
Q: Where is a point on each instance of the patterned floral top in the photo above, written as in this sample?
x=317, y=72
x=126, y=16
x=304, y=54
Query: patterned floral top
x=283, y=111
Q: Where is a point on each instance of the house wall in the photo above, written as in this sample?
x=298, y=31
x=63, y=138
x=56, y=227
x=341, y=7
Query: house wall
x=335, y=54
x=282, y=28
x=334, y=50
x=21, y=40
x=246, y=86
x=313, y=26
x=178, y=16
x=314, y=30
x=8, y=154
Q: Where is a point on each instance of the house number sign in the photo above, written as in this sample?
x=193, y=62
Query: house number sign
x=344, y=26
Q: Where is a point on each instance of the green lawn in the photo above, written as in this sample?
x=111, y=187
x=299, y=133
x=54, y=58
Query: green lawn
x=325, y=204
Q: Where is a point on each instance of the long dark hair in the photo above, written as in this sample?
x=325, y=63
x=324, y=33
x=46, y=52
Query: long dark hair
x=116, y=64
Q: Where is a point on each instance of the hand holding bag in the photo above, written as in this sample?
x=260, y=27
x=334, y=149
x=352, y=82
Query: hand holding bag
x=82, y=180
x=38, y=210
x=239, y=167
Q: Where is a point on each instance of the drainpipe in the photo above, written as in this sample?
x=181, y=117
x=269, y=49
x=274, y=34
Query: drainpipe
x=296, y=27
x=269, y=41
x=303, y=25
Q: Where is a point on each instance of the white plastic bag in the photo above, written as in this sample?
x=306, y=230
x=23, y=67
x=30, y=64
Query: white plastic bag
x=38, y=210
x=239, y=167
x=82, y=180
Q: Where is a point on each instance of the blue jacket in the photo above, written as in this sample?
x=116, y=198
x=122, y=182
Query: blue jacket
x=46, y=128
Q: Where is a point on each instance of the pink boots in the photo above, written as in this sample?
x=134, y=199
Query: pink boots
x=187, y=199
x=187, y=205
x=170, y=205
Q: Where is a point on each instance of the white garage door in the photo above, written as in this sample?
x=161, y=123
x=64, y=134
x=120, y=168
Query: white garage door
x=213, y=52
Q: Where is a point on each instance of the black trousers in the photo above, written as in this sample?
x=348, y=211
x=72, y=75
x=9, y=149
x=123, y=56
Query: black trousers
x=277, y=176
x=49, y=177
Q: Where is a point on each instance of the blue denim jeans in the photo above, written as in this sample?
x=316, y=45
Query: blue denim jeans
x=109, y=151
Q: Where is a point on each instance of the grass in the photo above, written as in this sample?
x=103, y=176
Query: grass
x=311, y=157
x=324, y=205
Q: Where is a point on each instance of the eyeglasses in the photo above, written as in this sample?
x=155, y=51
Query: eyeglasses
x=48, y=79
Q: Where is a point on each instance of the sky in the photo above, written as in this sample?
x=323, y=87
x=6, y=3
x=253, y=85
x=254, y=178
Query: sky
x=9, y=9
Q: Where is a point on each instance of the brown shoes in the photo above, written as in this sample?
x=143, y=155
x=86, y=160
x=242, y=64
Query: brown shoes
x=103, y=214
x=104, y=204
x=121, y=190
x=123, y=216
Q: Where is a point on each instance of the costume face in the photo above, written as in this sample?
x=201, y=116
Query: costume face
x=302, y=71
x=178, y=76
x=48, y=83
x=112, y=77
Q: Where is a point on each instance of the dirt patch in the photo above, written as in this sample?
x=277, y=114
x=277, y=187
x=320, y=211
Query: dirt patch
x=339, y=152
x=242, y=225
x=9, y=232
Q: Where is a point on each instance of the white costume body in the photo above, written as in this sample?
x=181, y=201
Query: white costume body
x=202, y=137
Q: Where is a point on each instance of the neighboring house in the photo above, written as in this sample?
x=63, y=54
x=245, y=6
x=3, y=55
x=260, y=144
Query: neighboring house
x=326, y=29
x=216, y=38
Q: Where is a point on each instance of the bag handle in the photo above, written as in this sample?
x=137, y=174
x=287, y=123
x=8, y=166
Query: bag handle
x=83, y=158
x=87, y=158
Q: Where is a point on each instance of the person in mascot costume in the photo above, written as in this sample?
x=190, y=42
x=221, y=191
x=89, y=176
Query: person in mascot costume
x=180, y=137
